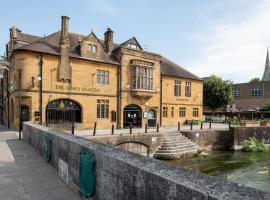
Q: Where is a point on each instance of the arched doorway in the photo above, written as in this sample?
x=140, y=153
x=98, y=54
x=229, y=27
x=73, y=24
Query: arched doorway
x=132, y=114
x=151, y=118
x=25, y=113
x=63, y=110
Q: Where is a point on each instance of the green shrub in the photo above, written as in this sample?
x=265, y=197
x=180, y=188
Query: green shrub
x=252, y=144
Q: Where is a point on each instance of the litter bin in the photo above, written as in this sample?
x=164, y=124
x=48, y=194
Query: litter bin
x=87, y=176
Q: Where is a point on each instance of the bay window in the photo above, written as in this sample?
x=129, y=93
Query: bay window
x=142, y=78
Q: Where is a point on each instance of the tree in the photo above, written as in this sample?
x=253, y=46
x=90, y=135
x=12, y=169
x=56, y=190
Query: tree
x=255, y=80
x=266, y=107
x=216, y=92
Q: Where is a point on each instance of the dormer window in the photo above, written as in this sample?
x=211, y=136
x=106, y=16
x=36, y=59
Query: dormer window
x=132, y=46
x=92, y=48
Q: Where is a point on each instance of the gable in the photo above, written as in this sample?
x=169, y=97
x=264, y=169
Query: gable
x=91, y=47
x=132, y=43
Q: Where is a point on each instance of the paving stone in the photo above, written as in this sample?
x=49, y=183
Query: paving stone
x=24, y=175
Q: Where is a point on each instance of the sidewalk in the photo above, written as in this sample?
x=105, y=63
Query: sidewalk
x=24, y=175
x=8, y=134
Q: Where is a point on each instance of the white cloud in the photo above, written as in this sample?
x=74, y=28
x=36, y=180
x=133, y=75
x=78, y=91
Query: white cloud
x=236, y=50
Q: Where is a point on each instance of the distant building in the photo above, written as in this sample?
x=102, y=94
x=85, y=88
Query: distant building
x=248, y=98
x=266, y=74
x=252, y=96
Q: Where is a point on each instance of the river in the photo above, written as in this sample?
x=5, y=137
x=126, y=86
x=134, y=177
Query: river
x=250, y=169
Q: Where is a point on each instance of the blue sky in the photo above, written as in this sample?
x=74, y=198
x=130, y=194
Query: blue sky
x=227, y=38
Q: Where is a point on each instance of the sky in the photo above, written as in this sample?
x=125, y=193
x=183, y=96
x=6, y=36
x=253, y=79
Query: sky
x=225, y=38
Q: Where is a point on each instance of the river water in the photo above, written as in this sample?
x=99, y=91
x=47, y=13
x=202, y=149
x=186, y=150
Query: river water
x=249, y=169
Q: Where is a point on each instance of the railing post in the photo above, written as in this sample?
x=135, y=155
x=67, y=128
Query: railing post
x=112, y=129
x=178, y=126
x=210, y=125
x=130, y=128
x=95, y=127
x=201, y=125
x=191, y=125
x=157, y=127
x=146, y=128
x=72, y=128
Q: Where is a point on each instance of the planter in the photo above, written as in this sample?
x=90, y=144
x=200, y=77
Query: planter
x=250, y=124
x=265, y=123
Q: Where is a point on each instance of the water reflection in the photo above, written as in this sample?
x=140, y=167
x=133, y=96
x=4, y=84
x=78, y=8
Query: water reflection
x=249, y=169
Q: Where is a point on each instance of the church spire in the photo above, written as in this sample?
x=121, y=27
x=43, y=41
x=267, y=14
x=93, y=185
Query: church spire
x=266, y=74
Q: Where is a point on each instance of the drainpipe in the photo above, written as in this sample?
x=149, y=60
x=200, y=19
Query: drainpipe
x=20, y=103
x=119, y=86
x=160, y=104
x=8, y=97
x=40, y=88
x=7, y=88
x=2, y=101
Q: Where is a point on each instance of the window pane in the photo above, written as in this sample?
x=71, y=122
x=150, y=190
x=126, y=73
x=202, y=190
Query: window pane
x=98, y=76
x=98, y=108
x=107, y=110
x=94, y=48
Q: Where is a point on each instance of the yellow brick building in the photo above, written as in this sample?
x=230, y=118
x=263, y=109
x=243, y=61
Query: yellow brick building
x=69, y=77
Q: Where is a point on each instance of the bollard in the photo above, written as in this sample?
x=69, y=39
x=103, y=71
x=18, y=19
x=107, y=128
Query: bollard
x=112, y=129
x=72, y=128
x=157, y=127
x=191, y=125
x=201, y=125
x=210, y=125
x=95, y=126
x=130, y=128
x=20, y=131
x=178, y=126
x=145, y=128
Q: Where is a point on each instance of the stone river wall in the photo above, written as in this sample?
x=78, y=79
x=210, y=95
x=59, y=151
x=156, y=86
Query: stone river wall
x=124, y=175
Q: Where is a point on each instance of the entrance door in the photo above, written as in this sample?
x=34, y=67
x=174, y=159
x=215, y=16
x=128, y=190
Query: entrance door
x=133, y=115
x=25, y=113
x=151, y=117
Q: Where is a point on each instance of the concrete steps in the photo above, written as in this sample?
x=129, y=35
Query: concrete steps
x=174, y=146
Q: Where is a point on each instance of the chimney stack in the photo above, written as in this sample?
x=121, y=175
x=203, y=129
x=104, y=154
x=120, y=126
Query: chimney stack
x=64, y=30
x=13, y=32
x=108, y=40
x=64, y=70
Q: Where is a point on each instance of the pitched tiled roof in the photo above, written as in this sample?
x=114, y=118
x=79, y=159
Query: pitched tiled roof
x=169, y=68
x=26, y=37
x=50, y=45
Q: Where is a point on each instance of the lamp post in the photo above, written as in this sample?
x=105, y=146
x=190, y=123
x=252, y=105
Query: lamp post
x=40, y=89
